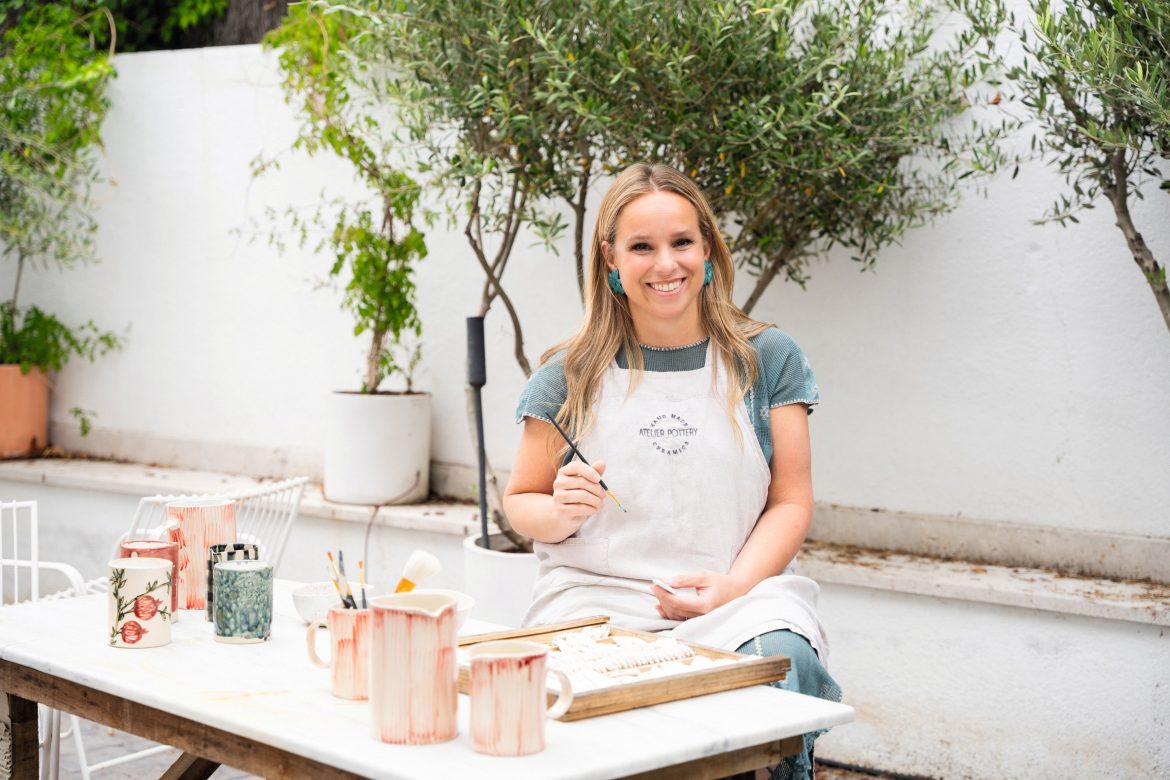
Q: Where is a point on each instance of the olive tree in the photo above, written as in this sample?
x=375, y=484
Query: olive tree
x=1097, y=78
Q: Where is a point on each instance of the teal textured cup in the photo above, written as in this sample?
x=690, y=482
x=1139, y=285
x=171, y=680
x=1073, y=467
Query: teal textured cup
x=243, y=601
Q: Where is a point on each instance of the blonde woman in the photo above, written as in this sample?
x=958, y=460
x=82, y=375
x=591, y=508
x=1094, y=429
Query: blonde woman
x=696, y=417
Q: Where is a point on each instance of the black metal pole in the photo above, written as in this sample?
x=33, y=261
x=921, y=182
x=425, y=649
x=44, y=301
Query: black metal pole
x=477, y=378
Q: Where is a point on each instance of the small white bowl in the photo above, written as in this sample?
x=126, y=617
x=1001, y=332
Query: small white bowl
x=463, y=603
x=313, y=601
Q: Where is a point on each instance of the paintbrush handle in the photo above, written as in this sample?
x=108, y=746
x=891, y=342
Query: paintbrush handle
x=573, y=448
x=517, y=633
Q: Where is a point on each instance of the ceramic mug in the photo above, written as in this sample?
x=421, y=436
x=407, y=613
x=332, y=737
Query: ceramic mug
x=155, y=548
x=235, y=551
x=349, y=650
x=196, y=524
x=243, y=601
x=139, y=602
x=508, y=697
x=412, y=668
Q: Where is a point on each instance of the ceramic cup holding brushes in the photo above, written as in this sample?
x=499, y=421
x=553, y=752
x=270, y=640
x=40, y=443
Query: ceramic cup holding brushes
x=349, y=651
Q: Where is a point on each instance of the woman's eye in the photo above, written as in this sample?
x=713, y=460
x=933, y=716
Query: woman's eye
x=683, y=242
x=641, y=246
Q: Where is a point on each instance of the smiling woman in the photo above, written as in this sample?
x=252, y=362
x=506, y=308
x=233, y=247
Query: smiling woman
x=697, y=416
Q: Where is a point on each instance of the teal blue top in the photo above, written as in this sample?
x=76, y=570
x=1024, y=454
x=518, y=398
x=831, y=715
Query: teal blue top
x=783, y=377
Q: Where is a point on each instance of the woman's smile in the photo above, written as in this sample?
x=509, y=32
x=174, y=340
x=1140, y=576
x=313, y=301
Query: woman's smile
x=667, y=288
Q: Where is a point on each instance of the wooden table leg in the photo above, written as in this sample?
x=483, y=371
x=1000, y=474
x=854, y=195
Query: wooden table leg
x=190, y=767
x=25, y=747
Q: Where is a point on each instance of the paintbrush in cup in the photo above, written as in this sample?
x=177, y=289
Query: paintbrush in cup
x=420, y=566
x=362, y=582
x=347, y=603
x=333, y=578
x=345, y=578
x=577, y=452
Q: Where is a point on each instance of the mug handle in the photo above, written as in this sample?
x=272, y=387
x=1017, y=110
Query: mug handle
x=311, y=643
x=565, y=700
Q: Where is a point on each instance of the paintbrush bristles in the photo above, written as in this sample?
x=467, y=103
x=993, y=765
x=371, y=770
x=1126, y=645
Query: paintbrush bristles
x=421, y=566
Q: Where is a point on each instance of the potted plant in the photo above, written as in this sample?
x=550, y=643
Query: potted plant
x=377, y=448
x=54, y=82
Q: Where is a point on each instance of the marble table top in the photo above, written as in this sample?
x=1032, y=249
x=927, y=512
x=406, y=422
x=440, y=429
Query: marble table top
x=270, y=693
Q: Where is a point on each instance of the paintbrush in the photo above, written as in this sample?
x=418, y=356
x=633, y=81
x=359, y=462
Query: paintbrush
x=577, y=452
x=344, y=578
x=362, y=582
x=420, y=566
x=337, y=581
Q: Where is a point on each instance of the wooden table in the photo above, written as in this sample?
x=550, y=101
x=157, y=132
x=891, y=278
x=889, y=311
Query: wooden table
x=264, y=709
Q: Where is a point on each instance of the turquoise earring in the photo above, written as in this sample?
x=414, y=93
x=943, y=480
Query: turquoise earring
x=708, y=272
x=615, y=282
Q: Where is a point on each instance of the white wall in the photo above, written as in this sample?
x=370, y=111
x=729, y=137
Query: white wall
x=990, y=368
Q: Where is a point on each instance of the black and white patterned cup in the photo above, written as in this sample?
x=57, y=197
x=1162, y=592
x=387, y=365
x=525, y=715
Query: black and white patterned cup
x=216, y=553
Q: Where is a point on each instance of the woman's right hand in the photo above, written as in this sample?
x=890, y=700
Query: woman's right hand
x=577, y=492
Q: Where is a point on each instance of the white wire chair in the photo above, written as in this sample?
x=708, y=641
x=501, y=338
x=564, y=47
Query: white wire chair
x=21, y=564
x=264, y=516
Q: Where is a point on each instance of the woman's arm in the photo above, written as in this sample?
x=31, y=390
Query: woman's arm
x=778, y=533
x=543, y=502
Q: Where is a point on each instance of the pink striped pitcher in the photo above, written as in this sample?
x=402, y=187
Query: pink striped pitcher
x=196, y=524
x=412, y=668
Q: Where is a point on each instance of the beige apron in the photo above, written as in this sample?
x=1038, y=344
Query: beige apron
x=693, y=491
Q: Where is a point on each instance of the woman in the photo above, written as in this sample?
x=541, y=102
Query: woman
x=697, y=417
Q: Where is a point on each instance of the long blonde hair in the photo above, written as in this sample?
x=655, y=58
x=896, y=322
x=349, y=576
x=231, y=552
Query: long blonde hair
x=608, y=326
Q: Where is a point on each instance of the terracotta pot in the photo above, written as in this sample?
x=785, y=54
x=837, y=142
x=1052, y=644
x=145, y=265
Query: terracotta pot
x=24, y=412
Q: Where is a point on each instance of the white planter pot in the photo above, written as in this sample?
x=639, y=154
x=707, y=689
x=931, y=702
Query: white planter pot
x=500, y=582
x=378, y=448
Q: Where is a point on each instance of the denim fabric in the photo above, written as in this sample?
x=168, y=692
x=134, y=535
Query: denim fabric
x=807, y=676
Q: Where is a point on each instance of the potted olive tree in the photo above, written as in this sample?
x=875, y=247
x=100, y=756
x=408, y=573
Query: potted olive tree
x=377, y=447
x=54, y=83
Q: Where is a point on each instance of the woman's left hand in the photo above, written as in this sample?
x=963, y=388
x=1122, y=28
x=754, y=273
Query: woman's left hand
x=711, y=590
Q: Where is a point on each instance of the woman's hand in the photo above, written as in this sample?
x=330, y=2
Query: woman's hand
x=711, y=590
x=577, y=492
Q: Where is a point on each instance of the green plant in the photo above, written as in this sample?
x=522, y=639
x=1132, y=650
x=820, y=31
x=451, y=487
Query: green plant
x=54, y=82
x=1097, y=78
x=374, y=242
x=809, y=124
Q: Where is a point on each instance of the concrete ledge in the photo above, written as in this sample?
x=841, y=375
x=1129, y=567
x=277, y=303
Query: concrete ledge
x=1091, y=553
x=141, y=480
x=1028, y=588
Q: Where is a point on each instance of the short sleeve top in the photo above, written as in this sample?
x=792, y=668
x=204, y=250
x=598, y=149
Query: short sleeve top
x=783, y=377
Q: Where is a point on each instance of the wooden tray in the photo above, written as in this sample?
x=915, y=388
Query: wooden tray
x=747, y=670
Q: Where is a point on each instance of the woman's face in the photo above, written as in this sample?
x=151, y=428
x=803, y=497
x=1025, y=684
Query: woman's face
x=659, y=253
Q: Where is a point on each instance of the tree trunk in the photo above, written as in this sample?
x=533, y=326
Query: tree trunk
x=246, y=21
x=1154, y=272
x=373, y=358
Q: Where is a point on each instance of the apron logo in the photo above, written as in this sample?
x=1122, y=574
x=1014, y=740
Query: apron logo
x=670, y=434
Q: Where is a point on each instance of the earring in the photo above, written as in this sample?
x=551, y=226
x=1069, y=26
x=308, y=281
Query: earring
x=615, y=282
x=708, y=272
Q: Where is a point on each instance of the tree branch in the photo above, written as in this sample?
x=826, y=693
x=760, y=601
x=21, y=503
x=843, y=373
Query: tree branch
x=1118, y=192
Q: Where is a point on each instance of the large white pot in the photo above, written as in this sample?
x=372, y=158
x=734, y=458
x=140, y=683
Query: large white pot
x=378, y=448
x=500, y=582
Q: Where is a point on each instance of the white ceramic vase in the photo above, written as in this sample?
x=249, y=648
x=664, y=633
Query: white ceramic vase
x=378, y=448
x=500, y=582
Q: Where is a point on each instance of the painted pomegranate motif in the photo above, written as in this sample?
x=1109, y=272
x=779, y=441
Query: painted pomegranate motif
x=146, y=607
x=132, y=631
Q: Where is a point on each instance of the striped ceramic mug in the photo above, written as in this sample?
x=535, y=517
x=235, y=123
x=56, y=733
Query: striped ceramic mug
x=349, y=651
x=508, y=697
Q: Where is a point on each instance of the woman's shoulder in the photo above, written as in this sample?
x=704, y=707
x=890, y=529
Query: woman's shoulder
x=784, y=372
x=546, y=391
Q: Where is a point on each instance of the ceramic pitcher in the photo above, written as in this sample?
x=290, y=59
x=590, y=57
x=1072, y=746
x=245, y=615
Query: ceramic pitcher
x=508, y=702
x=412, y=668
x=196, y=524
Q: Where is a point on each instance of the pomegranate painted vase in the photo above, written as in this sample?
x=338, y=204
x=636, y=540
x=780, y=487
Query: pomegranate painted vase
x=196, y=524
x=349, y=651
x=139, y=602
x=508, y=697
x=412, y=668
x=155, y=548
x=217, y=553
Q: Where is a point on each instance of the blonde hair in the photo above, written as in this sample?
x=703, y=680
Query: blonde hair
x=608, y=326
